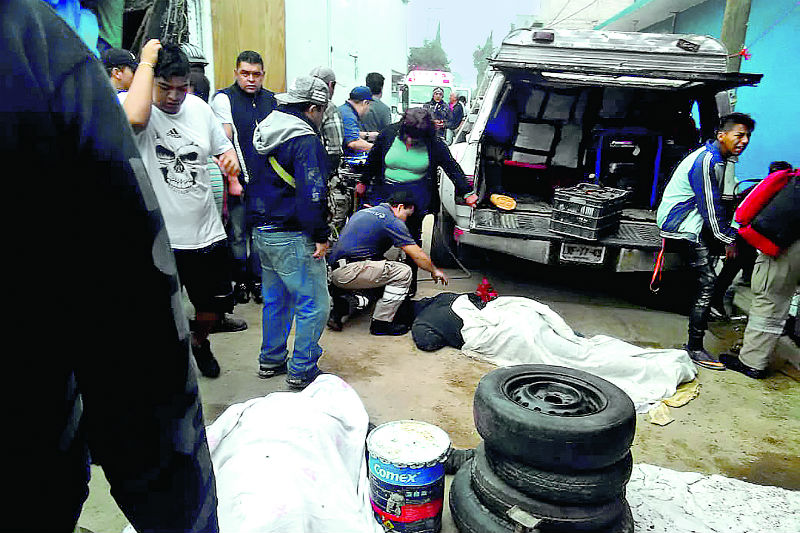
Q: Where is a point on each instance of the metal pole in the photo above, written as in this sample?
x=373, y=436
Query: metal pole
x=734, y=30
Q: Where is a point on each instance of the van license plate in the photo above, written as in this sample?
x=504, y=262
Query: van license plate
x=582, y=253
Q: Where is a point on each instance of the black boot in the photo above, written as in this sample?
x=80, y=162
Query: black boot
x=240, y=293
x=382, y=327
x=255, y=292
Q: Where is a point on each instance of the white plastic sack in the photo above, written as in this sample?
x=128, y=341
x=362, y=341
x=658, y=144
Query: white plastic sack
x=667, y=501
x=513, y=330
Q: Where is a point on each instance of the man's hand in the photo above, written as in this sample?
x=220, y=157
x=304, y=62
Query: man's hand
x=731, y=251
x=235, y=188
x=321, y=250
x=228, y=163
x=150, y=51
x=471, y=200
x=439, y=276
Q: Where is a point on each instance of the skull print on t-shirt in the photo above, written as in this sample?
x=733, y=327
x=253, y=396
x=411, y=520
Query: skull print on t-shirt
x=179, y=160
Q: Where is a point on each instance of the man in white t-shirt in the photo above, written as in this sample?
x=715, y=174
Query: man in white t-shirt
x=175, y=134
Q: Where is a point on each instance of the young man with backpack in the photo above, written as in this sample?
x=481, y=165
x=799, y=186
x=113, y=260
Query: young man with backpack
x=770, y=221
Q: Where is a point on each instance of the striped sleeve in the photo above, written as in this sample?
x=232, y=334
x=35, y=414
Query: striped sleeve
x=703, y=180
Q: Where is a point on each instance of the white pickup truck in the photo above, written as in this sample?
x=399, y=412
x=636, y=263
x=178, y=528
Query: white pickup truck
x=565, y=107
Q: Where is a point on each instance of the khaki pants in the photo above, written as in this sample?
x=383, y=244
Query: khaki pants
x=774, y=281
x=394, y=276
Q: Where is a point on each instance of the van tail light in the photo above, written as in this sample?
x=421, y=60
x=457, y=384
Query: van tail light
x=457, y=233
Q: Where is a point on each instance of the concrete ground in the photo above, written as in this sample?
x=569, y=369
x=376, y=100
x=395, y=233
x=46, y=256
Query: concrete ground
x=737, y=427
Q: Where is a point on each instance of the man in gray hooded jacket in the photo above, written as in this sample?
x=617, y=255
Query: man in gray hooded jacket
x=287, y=211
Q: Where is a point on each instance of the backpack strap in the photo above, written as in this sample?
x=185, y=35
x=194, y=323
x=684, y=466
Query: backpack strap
x=280, y=171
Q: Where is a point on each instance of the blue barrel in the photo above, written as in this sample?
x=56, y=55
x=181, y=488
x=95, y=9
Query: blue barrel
x=406, y=475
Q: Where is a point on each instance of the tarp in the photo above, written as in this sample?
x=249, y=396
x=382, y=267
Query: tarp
x=668, y=501
x=513, y=330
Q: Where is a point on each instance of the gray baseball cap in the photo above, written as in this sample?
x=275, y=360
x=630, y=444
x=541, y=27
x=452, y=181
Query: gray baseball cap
x=305, y=89
x=323, y=73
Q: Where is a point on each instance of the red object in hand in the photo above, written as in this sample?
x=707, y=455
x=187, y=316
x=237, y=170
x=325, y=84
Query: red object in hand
x=485, y=291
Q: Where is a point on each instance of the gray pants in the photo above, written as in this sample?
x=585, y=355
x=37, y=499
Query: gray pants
x=774, y=281
x=393, y=276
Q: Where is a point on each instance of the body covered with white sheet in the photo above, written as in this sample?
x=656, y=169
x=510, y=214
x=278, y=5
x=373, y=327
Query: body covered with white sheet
x=294, y=462
x=513, y=330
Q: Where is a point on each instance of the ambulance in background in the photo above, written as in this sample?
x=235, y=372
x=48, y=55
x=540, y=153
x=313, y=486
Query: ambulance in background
x=418, y=85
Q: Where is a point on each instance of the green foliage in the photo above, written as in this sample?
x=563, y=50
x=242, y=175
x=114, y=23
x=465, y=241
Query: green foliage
x=429, y=56
x=480, y=58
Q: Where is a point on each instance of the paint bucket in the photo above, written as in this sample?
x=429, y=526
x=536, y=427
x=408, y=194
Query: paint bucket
x=406, y=475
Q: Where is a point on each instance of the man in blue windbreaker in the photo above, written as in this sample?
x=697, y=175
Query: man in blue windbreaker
x=694, y=223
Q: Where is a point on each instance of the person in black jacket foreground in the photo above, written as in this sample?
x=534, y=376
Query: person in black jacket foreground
x=774, y=281
x=405, y=157
x=120, y=385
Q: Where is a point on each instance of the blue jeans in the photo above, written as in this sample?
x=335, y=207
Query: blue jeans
x=295, y=287
x=246, y=266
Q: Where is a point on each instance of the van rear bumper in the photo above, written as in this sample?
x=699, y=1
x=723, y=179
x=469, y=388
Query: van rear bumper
x=632, y=248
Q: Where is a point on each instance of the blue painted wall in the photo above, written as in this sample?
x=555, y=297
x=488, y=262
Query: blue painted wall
x=773, y=40
x=774, y=103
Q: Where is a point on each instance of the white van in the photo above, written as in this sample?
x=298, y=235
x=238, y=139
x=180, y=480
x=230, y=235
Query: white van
x=565, y=107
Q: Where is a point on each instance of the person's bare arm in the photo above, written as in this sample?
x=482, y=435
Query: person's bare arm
x=360, y=144
x=229, y=164
x=424, y=262
x=228, y=130
x=140, y=96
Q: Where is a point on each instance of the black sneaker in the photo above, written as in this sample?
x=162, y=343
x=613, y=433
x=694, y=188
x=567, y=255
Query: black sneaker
x=704, y=359
x=335, y=323
x=206, y=361
x=240, y=293
x=382, y=327
x=255, y=292
x=732, y=362
x=228, y=324
x=266, y=372
x=299, y=383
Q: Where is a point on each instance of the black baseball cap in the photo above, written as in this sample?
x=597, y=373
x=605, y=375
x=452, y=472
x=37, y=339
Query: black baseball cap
x=119, y=57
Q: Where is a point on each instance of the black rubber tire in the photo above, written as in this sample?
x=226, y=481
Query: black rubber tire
x=553, y=417
x=469, y=515
x=499, y=497
x=569, y=486
x=443, y=245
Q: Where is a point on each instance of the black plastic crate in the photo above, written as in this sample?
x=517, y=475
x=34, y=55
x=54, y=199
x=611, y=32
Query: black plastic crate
x=583, y=232
x=587, y=221
x=590, y=200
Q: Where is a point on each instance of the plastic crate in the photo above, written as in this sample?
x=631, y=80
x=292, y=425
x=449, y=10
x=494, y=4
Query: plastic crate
x=583, y=232
x=587, y=221
x=588, y=199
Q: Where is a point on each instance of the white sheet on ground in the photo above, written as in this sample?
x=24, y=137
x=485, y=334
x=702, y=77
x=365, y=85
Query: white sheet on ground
x=513, y=330
x=667, y=501
x=294, y=462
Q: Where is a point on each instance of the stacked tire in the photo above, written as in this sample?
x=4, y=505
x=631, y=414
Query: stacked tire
x=556, y=445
